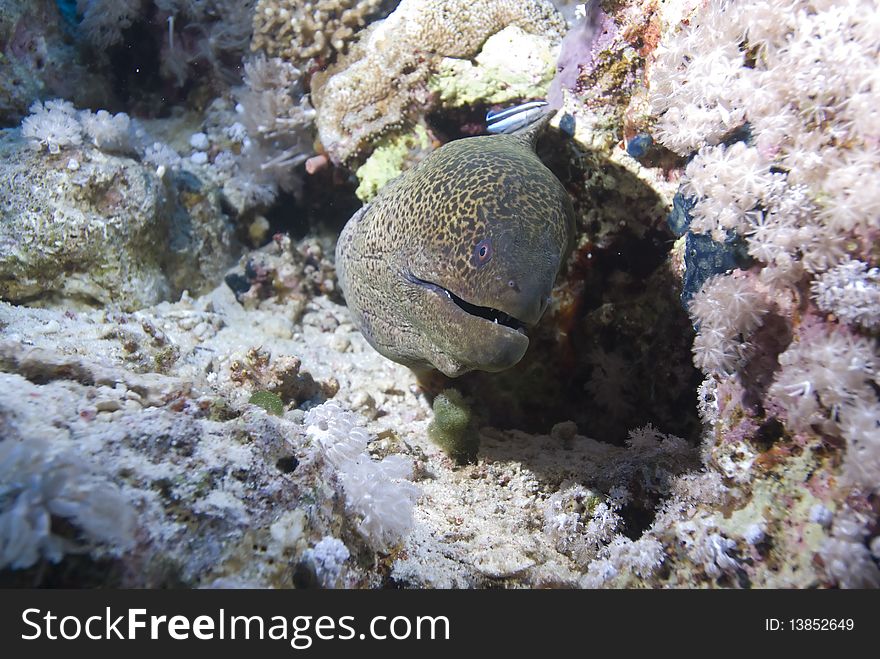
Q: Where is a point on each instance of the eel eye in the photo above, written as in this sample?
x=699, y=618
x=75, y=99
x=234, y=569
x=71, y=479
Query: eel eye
x=482, y=253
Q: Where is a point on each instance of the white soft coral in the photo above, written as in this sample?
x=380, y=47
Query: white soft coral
x=851, y=291
x=726, y=311
x=52, y=124
x=828, y=380
x=378, y=492
x=804, y=75
x=104, y=21
x=42, y=482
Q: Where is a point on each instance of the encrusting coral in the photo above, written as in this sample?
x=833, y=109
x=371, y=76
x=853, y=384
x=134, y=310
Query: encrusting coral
x=381, y=83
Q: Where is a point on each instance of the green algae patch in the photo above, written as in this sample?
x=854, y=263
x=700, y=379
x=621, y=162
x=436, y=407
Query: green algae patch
x=270, y=402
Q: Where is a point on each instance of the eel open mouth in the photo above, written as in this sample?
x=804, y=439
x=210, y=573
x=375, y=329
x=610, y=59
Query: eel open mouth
x=488, y=313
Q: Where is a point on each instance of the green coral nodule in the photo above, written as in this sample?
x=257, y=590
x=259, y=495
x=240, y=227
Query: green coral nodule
x=451, y=427
x=270, y=402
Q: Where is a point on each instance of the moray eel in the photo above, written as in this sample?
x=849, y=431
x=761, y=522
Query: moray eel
x=454, y=260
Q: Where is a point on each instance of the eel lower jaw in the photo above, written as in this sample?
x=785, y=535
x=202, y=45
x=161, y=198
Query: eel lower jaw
x=487, y=313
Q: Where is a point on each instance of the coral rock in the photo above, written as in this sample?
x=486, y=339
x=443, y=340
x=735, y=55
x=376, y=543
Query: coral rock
x=382, y=83
x=304, y=30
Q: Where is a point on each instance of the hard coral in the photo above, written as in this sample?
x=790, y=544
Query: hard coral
x=778, y=106
x=382, y=83
x=300, y=31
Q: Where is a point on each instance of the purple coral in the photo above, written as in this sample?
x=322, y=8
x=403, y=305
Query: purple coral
x=591, y=34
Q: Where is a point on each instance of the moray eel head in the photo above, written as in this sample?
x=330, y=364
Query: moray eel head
x=453, y=263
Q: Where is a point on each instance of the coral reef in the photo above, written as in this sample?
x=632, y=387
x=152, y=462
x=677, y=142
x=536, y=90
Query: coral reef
x=88, y=240
x=38, y=60
x=787, y=165
x=302, y=31
x=698, y=407
x=158, y=408
x=283, y=272
x=391, y=156
x=87, y=223
x=382, y=83
x=492, y=77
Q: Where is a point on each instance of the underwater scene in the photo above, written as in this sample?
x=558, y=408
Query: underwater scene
x=439, y=294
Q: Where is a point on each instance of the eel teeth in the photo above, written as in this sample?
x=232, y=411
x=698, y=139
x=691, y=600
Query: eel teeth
x=496, y=316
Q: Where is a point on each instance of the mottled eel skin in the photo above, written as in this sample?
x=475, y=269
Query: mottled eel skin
x=455, y=259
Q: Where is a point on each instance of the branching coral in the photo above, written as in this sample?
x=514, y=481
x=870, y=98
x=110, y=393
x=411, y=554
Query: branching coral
x=589, y=527
x=580, y=522
x=381, y=83
x=622, y=555
x=706, y=547
x=111, y=133
x=275, y=133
